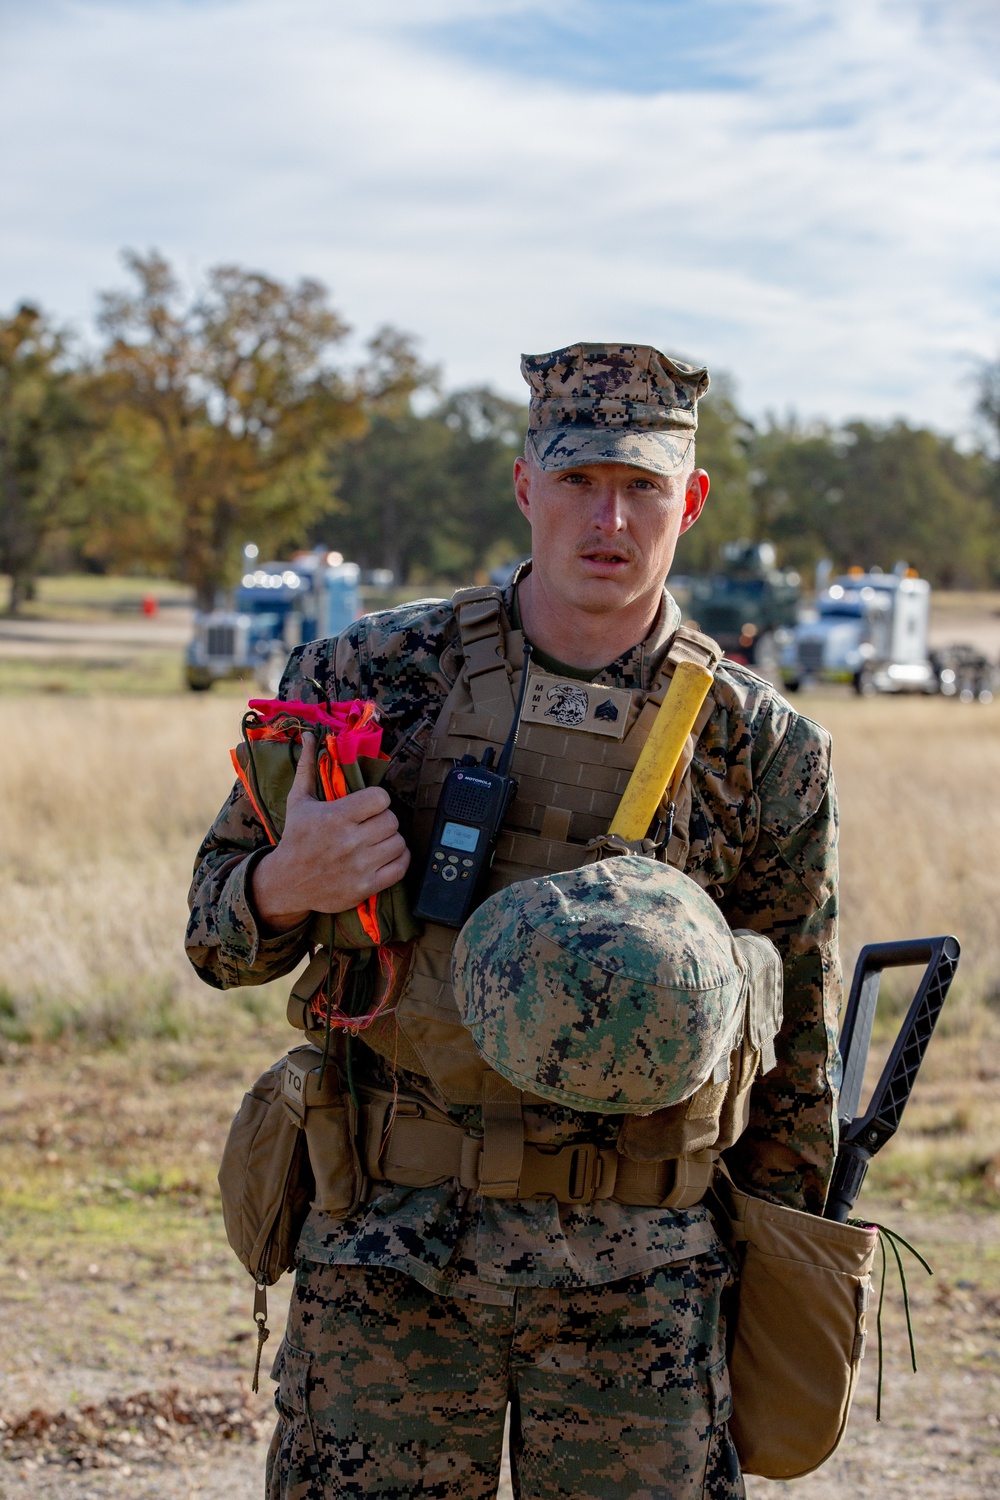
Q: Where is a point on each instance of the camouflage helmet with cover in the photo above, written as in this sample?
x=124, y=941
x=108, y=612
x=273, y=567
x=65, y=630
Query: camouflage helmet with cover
x=617, y=987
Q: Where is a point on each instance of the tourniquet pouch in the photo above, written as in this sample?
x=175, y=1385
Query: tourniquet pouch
x=797, y=1332
x=265, y=1179
x=314, y=1093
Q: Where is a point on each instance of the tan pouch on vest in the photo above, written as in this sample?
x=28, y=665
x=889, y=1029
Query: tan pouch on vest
x=797, y=1335
x=330, y=1121
x=265, y=1180
x=292, y=1146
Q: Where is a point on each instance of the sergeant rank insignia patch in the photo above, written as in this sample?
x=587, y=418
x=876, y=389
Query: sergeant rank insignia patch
x=570, y=704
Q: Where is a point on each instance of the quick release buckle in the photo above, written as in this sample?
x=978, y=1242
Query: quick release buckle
x=570, y=1174
x=583, y=1176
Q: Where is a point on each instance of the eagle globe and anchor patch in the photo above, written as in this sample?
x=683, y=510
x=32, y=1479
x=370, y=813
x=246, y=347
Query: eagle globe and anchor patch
x=568, y=703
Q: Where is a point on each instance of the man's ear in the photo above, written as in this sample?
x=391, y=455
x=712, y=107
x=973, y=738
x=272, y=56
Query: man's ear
x=695, y=495
x=522, y=486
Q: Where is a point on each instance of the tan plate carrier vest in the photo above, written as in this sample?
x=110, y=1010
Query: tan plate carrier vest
x=569, y=786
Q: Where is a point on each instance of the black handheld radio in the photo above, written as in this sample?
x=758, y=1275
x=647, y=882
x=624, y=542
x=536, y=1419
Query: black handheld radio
x=470, y=811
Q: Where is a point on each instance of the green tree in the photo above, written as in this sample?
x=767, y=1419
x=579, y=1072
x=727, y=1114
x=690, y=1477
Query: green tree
x=238, y=395
x=430, y=496
x=869, y=494
x=722, y=444
x=43, y=426
x=392, y=504
x=487, y=434
x=988, y=402
x=124, y=516
x=988, y=411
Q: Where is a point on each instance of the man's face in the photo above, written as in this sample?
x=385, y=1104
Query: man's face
x=603, y=535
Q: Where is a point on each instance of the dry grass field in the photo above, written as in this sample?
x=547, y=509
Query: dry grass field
x=119, y=1072
x=106, y=801
x=106, y=798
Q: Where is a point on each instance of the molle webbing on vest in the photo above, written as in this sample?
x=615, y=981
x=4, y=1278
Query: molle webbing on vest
x=570, y=783
x=569, y=787
x=489, y=646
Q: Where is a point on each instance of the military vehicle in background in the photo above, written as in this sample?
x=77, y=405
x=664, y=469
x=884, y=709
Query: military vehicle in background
x=868, y=629
x=749, y=605
x=275, y=607
x=963, y=672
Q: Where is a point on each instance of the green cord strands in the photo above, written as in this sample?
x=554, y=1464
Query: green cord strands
x=894, y=1240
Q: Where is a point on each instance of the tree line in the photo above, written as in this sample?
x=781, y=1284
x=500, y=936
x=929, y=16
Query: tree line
x=203, y=421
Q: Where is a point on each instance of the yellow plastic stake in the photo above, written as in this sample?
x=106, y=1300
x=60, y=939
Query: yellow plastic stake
x=659, y=755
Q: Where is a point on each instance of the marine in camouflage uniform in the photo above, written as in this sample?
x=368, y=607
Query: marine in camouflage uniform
x=416, y=1319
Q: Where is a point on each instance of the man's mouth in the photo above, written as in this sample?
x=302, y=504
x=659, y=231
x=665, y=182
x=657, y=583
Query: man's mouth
x=605, y=556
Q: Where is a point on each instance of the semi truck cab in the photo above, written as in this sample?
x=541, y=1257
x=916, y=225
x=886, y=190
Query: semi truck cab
x=869, y=629
x=275, y=607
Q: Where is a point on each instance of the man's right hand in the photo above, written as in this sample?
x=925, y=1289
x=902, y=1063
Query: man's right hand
x=332, y=855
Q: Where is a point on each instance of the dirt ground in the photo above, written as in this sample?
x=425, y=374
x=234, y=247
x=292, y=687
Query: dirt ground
x=126, y=1319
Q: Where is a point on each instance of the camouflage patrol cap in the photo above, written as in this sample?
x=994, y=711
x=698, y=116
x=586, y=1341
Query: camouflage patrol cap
x=611, y=403
x=617, y=987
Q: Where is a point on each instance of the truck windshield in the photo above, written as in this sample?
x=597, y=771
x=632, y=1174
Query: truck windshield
x=264, y=607
x=851, y=609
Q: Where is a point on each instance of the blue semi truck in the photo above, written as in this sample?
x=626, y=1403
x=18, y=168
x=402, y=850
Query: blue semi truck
x=275, y=607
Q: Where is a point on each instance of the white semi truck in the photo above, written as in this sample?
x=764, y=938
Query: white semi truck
x=869, y=629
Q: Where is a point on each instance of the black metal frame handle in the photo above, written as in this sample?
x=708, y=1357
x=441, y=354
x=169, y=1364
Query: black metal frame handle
x=861, y=1138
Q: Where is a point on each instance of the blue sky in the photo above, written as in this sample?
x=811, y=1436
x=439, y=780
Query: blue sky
x=801, y=192
x=640, y=46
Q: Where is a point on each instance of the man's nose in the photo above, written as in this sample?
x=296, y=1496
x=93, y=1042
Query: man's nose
x=608, y=514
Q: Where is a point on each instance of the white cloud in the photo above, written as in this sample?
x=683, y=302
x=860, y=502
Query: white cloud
x=828, y=232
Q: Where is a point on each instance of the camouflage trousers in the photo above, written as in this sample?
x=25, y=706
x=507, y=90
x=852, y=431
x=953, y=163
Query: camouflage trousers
x=617, y=1392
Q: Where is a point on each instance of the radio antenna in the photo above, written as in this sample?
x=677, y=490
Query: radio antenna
x=507, y=753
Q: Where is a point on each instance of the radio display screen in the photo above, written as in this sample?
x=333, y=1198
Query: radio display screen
x=460, y=836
